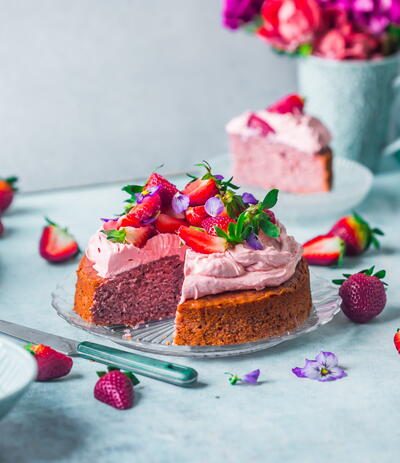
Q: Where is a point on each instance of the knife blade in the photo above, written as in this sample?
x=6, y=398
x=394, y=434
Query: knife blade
x=161, y=370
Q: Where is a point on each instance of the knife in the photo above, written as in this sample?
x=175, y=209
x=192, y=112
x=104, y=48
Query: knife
x=153, y=368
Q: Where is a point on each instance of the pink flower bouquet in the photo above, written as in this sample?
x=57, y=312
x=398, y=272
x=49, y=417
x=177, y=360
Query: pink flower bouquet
x=336, y=29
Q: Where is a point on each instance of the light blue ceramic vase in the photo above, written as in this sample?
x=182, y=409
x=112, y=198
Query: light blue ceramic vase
x=355, y=100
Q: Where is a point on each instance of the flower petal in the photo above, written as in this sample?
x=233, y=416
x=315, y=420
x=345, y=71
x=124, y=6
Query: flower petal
x=253, y=241
x=214, y=206
x=327, y=359
x=334, y=373
x=310, y=370
x=251, y=377
x=249, y=198
x=219, y=177
x=180, y=202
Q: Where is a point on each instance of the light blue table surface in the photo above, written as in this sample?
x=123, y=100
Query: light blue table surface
x=283, y=419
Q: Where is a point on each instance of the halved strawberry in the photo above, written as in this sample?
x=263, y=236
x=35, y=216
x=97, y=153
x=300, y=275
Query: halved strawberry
x=167, y=224
x=324, y=250
x=167, y=190
x=124, y=221
x=195, y=215
x=146, y=210
x=210, y=223
x=138, y=236
x=200, y=190
x=57, y=244
x=7, y=190
x=111, y=224
x=200, y=241
x=271, y=215
x=262, y=126
x=292, y=103
x=51, y=364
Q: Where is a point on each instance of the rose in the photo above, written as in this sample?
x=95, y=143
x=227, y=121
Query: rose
x=289, y=23
x=235, y=13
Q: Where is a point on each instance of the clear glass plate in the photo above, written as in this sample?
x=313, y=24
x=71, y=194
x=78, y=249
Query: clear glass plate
x=351, y=184
x=156, y=337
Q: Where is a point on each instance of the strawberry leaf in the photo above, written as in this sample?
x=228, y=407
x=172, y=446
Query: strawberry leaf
x=132, y=189
x=221, y=233
x=100, y=374
x=270, y=199
x=375, y=242
x=338, y=282
x=132, y=377
x=269, y=228
x=377, y=231
x=116, y=236
x=380, y=274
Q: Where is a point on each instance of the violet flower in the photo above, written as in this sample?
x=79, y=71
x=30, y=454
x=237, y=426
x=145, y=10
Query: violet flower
x=214, y=206
x=219, y=177
x=105, y=220
x=248, y=198
x=323, y=368
x=249, y=378
x=253, y=241
x=238, y=12
x=148, y=192
x=180, y=202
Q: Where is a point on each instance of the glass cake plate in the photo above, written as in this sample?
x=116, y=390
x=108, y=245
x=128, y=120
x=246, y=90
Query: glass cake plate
x=156, y=337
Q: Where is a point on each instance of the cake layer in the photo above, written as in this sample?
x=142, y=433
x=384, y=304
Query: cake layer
x=257, y=161
x=244, y=316
x=146, y=293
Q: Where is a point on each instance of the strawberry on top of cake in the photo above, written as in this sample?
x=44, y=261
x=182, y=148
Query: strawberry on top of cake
x=171, y=248
x=281, y=147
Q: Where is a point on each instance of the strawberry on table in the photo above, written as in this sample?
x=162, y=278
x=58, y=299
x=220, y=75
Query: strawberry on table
x=168, y=224
x=324, y=250
x=200, y=241
x=262, y=126
x=7, y=190
x=57, y=244
x=363, y=295
x=51, y=364
x=356, y=233
x=195, y=215
x=146, y=210
x=210, y=223
x=115, y=388
x=167, y=190
x=292, y=103
x=200, y=190
x=1, y=228
x=396, y=340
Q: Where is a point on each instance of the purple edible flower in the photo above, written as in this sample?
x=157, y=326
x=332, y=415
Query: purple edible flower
x=148, y=192
x=248, y=198
x=219, y=177
x=214, y=206
x=323, y=368
x=105, y=220
x=253, y=241
x=238, y=12
x=180, y=202
x=251, y=377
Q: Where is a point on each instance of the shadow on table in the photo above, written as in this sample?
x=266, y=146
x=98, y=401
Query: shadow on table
x=42, y=434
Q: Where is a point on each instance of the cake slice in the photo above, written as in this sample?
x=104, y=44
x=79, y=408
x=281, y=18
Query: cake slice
x=281, y=147
x=238, y=277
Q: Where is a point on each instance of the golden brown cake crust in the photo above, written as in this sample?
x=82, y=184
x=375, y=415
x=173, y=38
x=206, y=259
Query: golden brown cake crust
x=326, y=157
x=245, y=316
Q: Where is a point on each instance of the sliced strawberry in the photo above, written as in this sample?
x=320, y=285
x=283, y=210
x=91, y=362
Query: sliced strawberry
x=51, y=364
x=167, y=190
x=138, y=236
x=200, y=241
x=167, y=224
x=57, y=244
x=292, y=103
x=271, y=215
x=210, y=223
x=145, y=210
x=200, y=190
x=124, y=221
x=195, y=215
x=111, y=224
x=324, y=250
x=262, y=126
x=7, y=189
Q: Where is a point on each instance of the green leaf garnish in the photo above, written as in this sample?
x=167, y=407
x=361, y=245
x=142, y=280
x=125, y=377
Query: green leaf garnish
x=132, y=189
x=116, y=236
x=269, y=228
x=270, y=199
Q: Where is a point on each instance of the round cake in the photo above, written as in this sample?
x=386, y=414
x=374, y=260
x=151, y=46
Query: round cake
x=219, y=262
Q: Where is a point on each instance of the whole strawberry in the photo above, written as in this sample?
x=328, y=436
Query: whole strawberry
x=51, y=364
x=2, y=230
x=396, y=340
x=363, y=295
x=57, y=244
x=115, y=388
x=356, y=233
x=7, y=190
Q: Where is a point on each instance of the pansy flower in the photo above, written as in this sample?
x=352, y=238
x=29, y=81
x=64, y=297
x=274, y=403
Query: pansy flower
x=324, y=368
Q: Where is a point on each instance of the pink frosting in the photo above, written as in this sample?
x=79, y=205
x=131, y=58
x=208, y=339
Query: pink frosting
x=241, y=267
x=301, y=131
x=110, y=258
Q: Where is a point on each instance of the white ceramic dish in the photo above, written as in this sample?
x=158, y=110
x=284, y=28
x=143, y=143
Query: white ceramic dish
x=17, y=371
x=351, y=184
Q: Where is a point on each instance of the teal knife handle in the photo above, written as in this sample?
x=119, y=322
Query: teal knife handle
x=140, y=364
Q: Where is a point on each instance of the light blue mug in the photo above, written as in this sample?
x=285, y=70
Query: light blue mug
x=355, y=100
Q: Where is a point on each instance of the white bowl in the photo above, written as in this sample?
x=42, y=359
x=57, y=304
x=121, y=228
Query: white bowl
x=18, y=369
x=351, y=184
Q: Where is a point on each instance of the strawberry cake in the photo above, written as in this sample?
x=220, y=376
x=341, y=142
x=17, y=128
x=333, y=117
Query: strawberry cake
x=281, y=147
x=219, y=262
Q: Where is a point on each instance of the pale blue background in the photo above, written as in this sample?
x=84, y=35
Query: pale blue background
x=100, y=90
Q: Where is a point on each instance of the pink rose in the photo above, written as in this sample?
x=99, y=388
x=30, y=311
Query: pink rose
x=289, y=23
